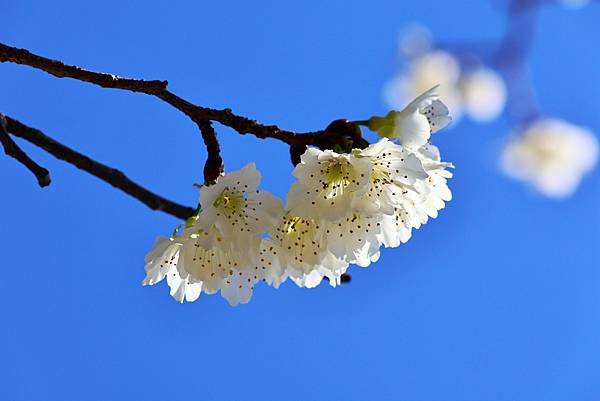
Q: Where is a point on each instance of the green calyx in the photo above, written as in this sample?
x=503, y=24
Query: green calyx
x=384, y=126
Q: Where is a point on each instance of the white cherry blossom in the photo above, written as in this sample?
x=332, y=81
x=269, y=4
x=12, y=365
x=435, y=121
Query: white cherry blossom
x=272, y=261
x=392, y=169
x=327, y=184
x=414, y=125
x=212, y=259
x=420, y=202
x=162, y=262
x=330, y=268
x=237, y=209
x=209, y=259
x=341, y=210
x=397, y=228
x=435, y=187
x=354, y=239
x=205, y=261
x=302, y=248
x=300, y=241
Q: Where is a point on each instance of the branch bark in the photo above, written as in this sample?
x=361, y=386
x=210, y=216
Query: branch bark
x=340, y=132
x=13, y=150
x=157, y=88
x=213, y=167
x=114, y=177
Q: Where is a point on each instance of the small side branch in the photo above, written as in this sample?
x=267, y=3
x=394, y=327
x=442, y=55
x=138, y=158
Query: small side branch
x=13, y=150
x=214, y=163
x=107, y=174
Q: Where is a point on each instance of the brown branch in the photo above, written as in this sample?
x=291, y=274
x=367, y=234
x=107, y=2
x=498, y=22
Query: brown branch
x=62, y=70
x=340, y=133
x=12, y=149
x=214, y=164
x=157, y=88
x=108, y=174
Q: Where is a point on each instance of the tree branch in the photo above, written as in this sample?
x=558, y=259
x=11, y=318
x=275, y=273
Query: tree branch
x=13, y=150
x=62, y=70
x=108, y=174
x=340, y=132
x=214, y=163
x=157, y=88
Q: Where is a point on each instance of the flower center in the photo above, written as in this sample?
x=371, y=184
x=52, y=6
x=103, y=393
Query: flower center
x=230, y=202
x=546, y=155
x=337, y=179
x=295, y=226
x=379, y=174
x=298, y=239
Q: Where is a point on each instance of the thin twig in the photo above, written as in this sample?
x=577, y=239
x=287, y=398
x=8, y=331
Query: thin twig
x=108, y=174
x=214, y=164
x=12, y=149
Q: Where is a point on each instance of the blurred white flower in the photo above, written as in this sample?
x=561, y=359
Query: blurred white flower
x=426, y=71
x=414, y=125
x=552, y=155
x=483, y=93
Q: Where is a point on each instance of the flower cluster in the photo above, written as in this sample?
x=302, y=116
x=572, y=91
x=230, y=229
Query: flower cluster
x=341, y=210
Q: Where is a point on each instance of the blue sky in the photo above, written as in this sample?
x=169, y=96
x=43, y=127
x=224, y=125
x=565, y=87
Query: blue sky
x=498, y=299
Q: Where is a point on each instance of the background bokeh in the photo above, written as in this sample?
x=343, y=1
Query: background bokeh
x=497, y=299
